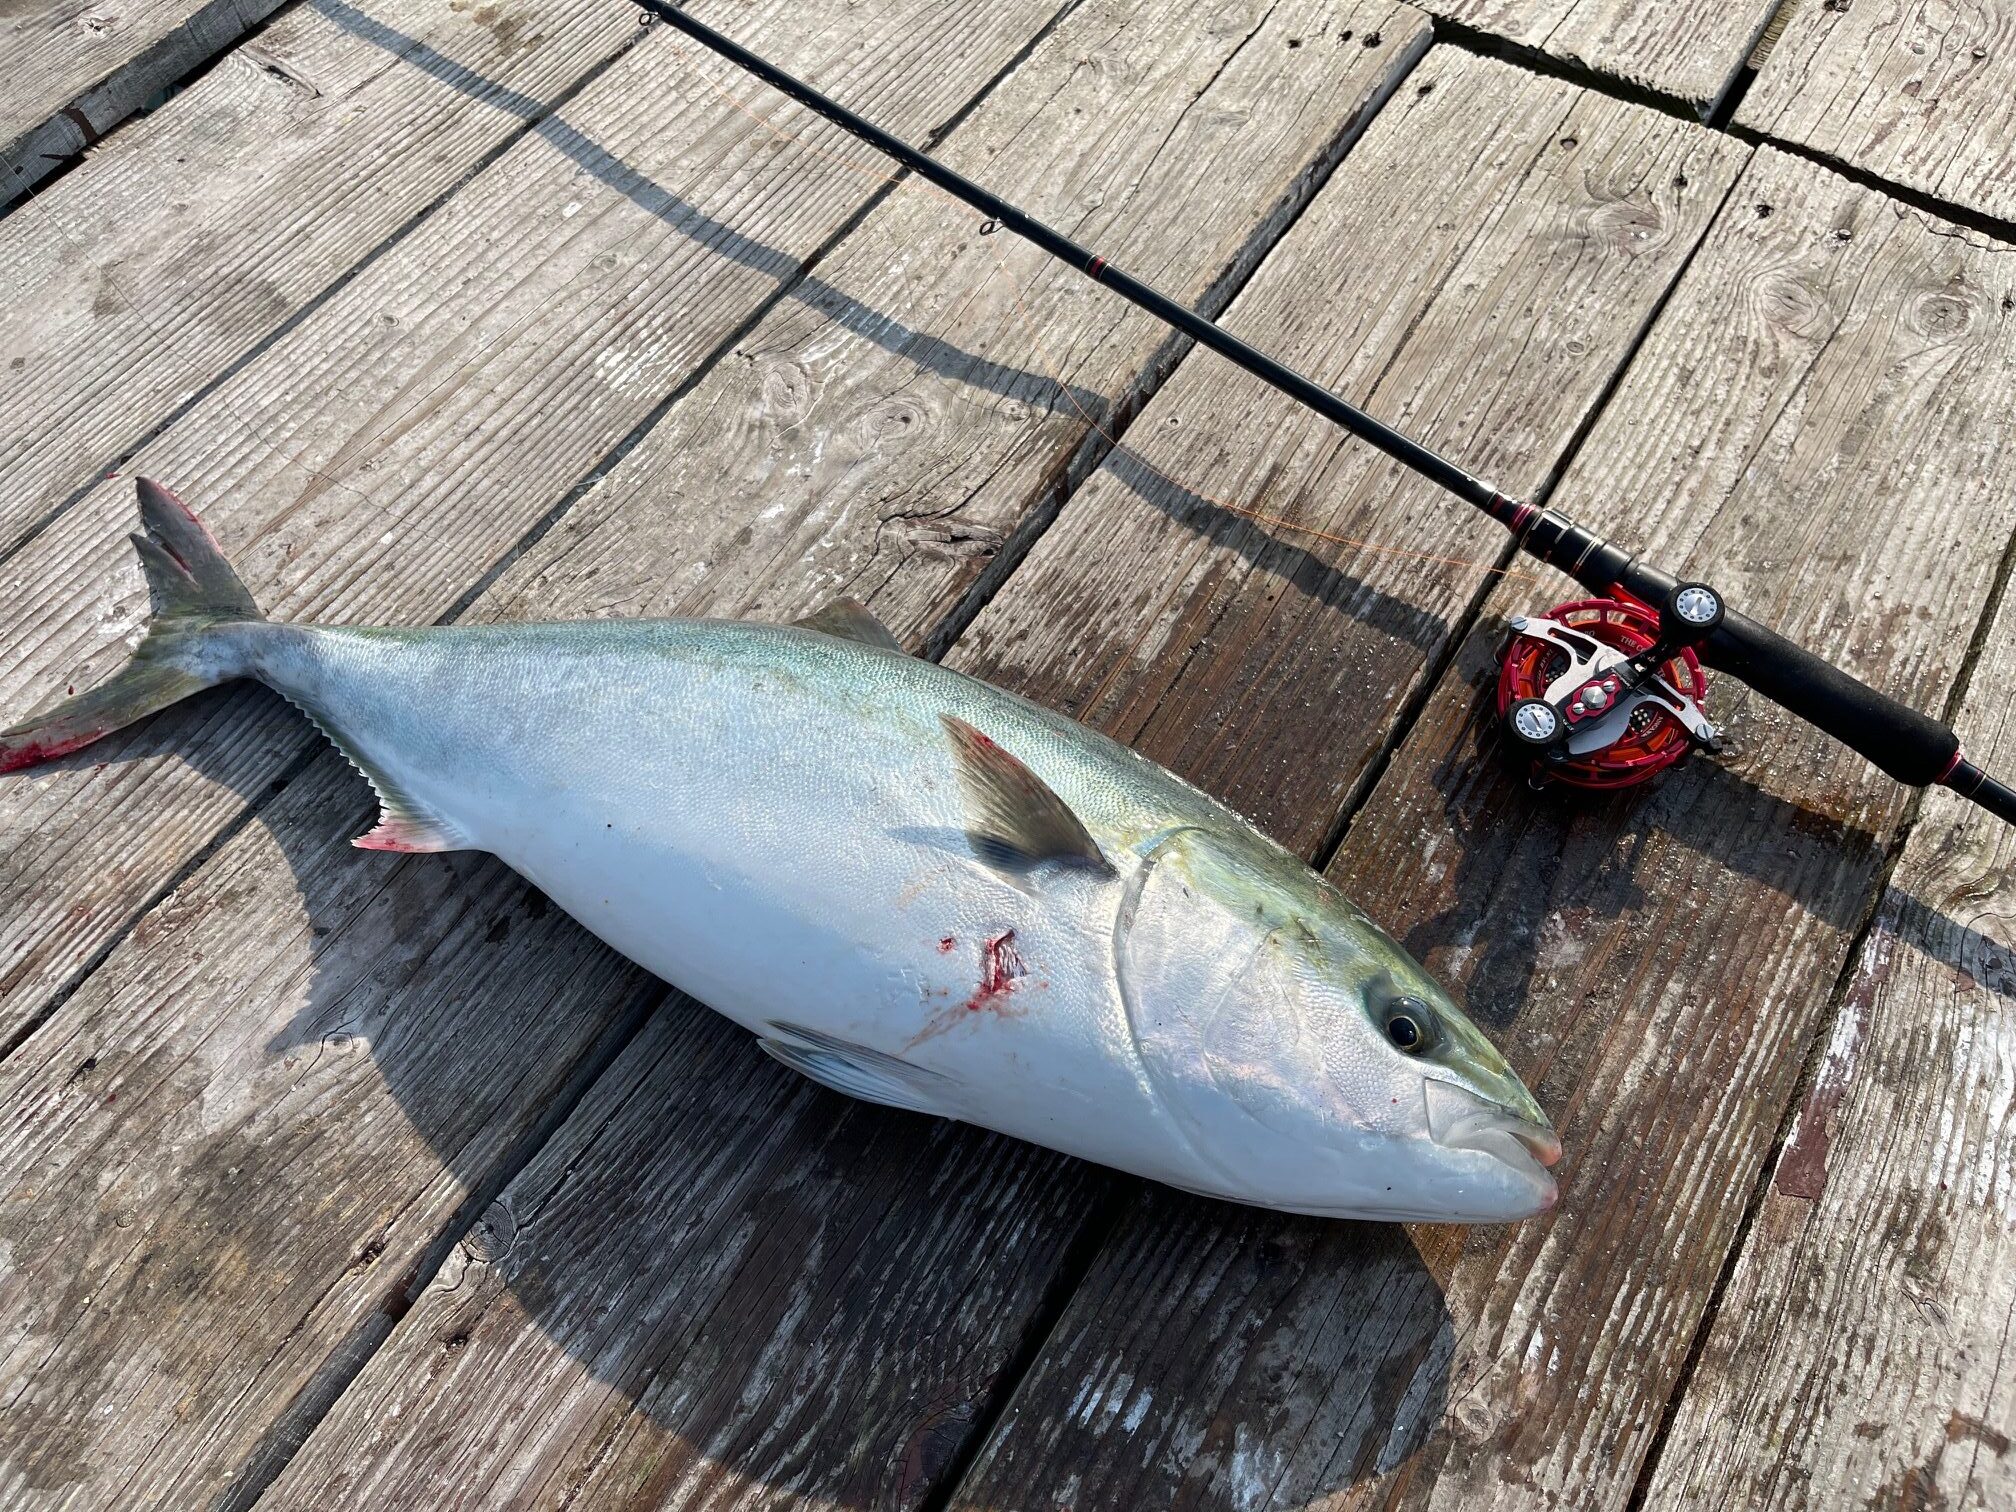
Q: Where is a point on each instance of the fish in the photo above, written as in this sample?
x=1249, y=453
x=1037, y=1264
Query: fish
x=911, y=886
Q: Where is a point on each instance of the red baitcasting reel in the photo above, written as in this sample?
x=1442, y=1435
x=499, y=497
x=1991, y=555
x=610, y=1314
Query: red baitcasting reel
x=1605, y=692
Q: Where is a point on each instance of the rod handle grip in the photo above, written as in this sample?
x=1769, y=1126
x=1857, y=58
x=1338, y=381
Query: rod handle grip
x=1910, y=746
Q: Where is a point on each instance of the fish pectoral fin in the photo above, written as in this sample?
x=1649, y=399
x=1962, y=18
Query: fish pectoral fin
x=849, y=619
x=856, y=1070
x=1013, y=818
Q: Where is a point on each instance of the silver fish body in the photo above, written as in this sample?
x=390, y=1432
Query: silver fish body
x=782, y=822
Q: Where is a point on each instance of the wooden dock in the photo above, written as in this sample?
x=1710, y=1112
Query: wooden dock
x=333, y=1180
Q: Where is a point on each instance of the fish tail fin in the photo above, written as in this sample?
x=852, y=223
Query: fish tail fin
x=195, y=593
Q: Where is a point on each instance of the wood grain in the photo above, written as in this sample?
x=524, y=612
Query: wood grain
x=709, y=1243
x=718, y=1286
x=226, y=1160
x=375, y=461
x=1919, y=93
x=75, y=70
x=1219, y=644
x=1810, y=422
x=1679, y=48
x=201, y=229
x=899, y=431
x=1859, y=1353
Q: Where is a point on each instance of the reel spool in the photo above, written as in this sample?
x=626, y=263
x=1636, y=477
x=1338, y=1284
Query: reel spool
x=1608, y=692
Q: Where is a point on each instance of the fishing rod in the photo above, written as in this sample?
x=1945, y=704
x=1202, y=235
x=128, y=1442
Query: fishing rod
x=1602, y=692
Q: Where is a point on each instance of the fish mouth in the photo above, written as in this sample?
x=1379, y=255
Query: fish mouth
x=1458, y=1119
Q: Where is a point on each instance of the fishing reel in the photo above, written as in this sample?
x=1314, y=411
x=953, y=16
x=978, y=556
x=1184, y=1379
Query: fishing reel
x=1607, y=692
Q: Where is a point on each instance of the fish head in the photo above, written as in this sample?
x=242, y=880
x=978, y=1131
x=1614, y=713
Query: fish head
x=1302, y=1060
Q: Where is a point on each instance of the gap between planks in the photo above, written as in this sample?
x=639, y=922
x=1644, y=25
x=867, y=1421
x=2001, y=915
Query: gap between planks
x=1451, y=33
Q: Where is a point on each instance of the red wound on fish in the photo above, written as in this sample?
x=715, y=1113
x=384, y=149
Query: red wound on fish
x=1001, y=967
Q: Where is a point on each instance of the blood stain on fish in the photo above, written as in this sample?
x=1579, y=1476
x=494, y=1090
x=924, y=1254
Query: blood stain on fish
x=1001, y=970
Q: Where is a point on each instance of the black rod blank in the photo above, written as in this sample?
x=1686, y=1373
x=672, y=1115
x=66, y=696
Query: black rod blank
x=1305, y=391
x=1910, y=746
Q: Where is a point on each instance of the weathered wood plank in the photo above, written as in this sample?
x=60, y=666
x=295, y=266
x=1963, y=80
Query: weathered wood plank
x=200, y=230
x=1857, y=1357
x=1679, y=48
x=74, y=71
x=420, y=1418
x=1211, y=641
x=930, y=399
x=373, y=462
x=1815, y=422
x=1917, y=93
x=769, y=1238
x=226, y=1159
x=719, y=1285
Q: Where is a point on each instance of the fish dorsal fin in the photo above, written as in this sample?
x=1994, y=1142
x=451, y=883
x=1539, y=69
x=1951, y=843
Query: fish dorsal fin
x=849, y=619
x=1013, y=818
x=858, y=1071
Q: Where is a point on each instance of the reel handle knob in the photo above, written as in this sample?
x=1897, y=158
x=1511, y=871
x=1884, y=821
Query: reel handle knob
x=1690, y=614
x=1534, y=722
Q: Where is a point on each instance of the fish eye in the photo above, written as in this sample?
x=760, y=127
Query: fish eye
x=1410, y=1026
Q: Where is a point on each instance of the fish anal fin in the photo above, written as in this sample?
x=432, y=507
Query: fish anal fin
x=850, y=619
x=859, y=1071
x=403, y=824
x=408, y=834
x=1014, y=819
